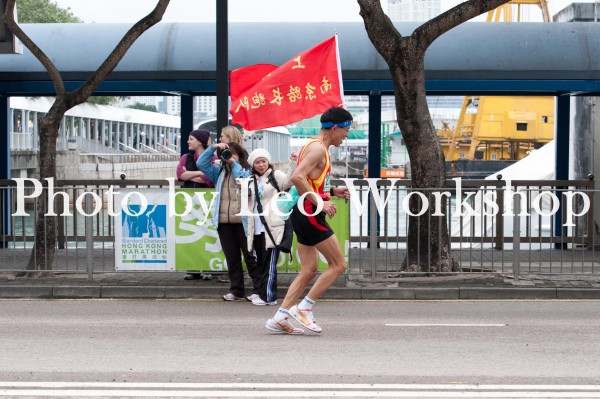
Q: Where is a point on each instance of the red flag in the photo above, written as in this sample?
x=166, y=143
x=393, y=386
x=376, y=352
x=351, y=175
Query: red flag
x=308, y=84
x=244, y=78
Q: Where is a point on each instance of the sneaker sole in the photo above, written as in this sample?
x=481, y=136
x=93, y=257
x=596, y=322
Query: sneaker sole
x=307, y=326
x=265, y=304
x=278, y=331
x=275, y=330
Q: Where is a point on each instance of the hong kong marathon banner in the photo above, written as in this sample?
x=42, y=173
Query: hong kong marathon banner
x=161, y=230
x=143, y=230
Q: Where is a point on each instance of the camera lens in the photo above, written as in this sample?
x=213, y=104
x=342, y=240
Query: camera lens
x=226, y=154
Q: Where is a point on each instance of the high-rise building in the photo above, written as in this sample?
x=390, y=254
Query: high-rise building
x=205, y=105
x=146, y=100
x=413, y=10
x=173, y=105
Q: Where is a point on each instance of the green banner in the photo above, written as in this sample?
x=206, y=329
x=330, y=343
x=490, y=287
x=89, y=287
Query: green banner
x=197, y=245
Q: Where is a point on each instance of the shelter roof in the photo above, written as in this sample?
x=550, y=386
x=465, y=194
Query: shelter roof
x=181, y=57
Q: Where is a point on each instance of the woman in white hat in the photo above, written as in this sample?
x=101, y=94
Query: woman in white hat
x=265, y=187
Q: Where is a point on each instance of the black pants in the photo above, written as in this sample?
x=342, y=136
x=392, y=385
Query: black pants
x=267, y=268
x=233, y=240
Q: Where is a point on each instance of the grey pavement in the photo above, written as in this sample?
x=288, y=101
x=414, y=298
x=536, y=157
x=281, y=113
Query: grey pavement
x=548, y=278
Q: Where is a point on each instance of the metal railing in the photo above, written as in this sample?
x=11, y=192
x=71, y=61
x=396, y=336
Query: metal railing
x=21, y=141
x=486, y=233
x=526, y=235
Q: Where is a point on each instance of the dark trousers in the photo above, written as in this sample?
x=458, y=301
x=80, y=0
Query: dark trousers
x=234, y=244
x=267, y=268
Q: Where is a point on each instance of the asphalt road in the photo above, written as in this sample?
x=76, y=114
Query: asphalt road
x=479, y=347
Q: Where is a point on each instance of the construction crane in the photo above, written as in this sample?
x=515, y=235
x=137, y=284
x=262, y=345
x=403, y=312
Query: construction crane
x=506, y=11
x=501, y=127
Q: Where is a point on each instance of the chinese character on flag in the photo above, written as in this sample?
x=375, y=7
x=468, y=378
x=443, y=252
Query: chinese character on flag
x=264, y=95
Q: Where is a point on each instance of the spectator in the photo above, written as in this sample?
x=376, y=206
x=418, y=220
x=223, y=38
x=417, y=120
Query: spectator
x=226, y=215
x=231, y=134
x=188, y=173
x=264, y=239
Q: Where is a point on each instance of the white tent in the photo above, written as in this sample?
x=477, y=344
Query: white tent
x=538, y=165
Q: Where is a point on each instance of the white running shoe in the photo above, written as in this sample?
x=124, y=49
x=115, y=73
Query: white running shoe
x=252, y=297
x=283, y=327
x=305, y=317
x=230, y=297
x=259, y=302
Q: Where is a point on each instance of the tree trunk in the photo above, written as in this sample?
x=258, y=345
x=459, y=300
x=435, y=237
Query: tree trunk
x=428, y=241
x=44, y=249
x=42, y=256
x=428, y=247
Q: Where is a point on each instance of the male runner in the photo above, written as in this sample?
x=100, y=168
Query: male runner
x=312, y=232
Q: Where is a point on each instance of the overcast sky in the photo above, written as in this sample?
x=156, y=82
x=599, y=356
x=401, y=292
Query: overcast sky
x=239, y=10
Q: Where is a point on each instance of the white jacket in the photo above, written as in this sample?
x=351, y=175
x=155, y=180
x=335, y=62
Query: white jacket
x=274, y=221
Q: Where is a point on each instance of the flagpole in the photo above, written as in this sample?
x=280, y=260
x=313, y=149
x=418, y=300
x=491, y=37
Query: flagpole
x=339, y=68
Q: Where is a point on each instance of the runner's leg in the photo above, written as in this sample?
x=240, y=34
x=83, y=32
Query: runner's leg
x=330, y=248
x=308, y=269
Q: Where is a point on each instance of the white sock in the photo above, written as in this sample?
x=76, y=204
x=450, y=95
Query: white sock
x=306, y=303
x=281, y=315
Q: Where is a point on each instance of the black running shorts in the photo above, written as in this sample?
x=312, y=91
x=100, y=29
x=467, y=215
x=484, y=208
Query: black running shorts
x=310, y=230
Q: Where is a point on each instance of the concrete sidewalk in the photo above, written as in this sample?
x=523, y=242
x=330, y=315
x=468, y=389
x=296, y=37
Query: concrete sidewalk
x=171, y=285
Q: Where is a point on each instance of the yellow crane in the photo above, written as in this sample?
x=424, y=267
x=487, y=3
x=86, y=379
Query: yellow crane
x=506, y=10
x=501, y=127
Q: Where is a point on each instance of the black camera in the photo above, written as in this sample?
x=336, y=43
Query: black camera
x=226, y=154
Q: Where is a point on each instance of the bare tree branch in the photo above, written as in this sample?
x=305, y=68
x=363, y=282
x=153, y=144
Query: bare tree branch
x=42, y=255
x=119, y=51
x=9, y=20
x=435, y=27
x=405, y=57
x=380, y=29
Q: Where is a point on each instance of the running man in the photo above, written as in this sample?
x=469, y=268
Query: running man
x=313, y=232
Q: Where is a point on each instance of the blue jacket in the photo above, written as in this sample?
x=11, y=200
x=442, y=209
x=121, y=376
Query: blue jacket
x=216, y=174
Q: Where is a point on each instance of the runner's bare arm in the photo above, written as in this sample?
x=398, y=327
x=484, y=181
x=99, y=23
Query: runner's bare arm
x=312, y=159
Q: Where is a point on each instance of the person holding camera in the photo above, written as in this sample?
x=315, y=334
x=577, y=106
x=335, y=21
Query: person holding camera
x=191, y=177
x=266, y=232
x=226, y=214
x=231, y=134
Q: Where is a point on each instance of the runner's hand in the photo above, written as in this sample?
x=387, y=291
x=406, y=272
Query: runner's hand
x=329, y=208
x=341, y=192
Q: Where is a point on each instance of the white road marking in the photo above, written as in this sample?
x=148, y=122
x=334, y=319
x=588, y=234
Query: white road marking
x=296, y=394
x=276, y=390
x=444, y=325
x=284, y=385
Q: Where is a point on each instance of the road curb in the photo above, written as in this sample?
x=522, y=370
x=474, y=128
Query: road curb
x=351, y=293
x=132, y=292
x=507, y=293
x=82, y=292
x=578, y=293
x=26, y=291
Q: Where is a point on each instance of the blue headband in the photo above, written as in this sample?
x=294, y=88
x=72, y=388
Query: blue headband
x=327, y=125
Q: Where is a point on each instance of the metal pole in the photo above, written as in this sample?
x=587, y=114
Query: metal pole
x=222, y=66
x=5, y=129
x=374, y=155
x=373, y=219
x=89, y=237
x=187, y=122
x=563, y=112
x=516, y=236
